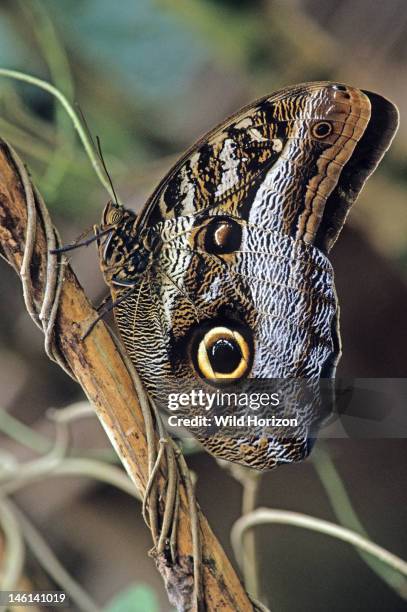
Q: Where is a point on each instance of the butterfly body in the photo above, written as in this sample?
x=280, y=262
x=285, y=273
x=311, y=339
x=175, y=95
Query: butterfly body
x=224, y=275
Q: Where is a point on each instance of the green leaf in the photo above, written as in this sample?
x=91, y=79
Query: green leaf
x=136, y=597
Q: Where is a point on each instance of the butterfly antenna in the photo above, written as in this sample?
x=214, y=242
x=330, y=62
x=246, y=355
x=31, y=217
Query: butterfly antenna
x=99, y=150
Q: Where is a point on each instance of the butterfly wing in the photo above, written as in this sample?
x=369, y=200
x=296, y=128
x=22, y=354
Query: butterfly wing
x=237, y=285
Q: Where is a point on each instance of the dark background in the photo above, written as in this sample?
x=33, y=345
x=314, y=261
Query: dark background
x=150, y=77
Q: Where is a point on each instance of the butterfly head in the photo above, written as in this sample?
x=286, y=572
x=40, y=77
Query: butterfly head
x=119, y=250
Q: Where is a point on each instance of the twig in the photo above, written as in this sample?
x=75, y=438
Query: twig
x=73, y=466
x=78, y=410
x=250, y=486
x=266, y=516
x=250, y=481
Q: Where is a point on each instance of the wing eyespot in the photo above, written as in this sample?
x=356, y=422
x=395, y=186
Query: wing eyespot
x=321, y=129
x=220, y=236
x=222, y=354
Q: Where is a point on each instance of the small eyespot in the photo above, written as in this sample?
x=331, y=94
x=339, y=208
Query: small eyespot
x=222, y=354
x=222, y=236
x=321, y=129
x=344, y=89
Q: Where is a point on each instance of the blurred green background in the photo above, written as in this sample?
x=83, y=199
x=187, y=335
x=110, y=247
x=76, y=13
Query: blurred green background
x=150, y=77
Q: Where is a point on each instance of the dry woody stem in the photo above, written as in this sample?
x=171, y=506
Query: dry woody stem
x=181, y=535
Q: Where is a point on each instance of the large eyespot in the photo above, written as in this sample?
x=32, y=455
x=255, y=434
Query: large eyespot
x=222, y=354
x=222, y=235
x=321, y=129
x=112, y=214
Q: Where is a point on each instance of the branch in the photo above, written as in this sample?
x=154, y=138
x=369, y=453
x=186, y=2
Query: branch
x=102, y=371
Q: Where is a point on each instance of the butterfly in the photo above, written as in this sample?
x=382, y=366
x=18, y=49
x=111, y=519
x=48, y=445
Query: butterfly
x=224, y=276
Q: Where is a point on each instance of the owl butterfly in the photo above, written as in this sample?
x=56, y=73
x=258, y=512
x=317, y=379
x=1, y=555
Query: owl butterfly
x=224, y=276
